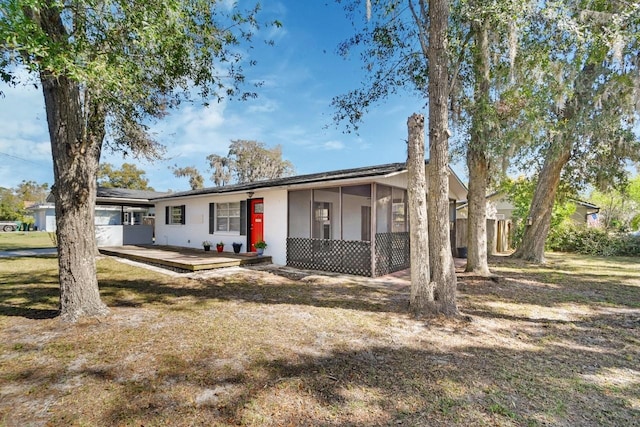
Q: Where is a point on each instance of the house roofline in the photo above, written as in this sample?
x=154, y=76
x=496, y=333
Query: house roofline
x=384, y=171
x=463, y=204
x=286, y=182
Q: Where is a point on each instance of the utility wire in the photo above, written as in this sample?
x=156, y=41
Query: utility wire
x=18, y=158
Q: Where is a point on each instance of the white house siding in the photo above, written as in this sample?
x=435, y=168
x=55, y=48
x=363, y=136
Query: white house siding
x=275, y=224
x=109, y=235
x=196, y=227
x=397, y=180
x=108, y=215
x=456, y=189
x=44, y=216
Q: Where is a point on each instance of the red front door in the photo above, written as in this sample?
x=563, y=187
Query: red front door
x=256, y=232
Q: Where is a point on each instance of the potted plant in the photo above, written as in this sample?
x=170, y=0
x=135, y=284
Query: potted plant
x=236, y=247
x=220, y=246
x=206, y=245
x=260, y=245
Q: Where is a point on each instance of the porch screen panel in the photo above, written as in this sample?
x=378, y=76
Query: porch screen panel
x=383, y=209
x=356, y=212
x=300, y=213
x=326, y=213
x=399, y=210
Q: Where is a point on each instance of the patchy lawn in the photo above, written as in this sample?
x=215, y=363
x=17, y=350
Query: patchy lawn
x=25, y=240
x=552, y=345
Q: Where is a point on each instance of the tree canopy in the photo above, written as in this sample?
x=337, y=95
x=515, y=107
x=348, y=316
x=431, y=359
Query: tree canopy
x=128, y=176
x=14, y=201
x=196, y=180
x=108, y=68
x=589, y=79
x=619, y=208
x=249, y=161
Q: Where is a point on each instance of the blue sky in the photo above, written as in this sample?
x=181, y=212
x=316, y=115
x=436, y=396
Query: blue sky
x=301, y=74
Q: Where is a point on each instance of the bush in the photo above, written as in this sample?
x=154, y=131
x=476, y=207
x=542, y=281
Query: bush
x=592, y=241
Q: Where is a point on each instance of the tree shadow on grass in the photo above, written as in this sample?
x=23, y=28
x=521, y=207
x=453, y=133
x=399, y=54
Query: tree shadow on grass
x=339, y=295
x=377, y=386
x=28, y=313
x=532, y=289
x=30, y=295
x=35, y=295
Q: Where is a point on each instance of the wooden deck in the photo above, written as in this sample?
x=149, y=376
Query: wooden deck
x=185, y=259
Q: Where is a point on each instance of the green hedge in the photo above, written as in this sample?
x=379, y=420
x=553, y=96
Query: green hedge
x=592, y=241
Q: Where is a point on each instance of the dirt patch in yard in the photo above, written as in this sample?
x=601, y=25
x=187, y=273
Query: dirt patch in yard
x=550, y=345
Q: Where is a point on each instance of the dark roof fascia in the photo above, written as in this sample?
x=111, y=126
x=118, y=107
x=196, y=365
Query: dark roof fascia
x=120, y=196
x=364, y=172
x=128, y=194
x=585, y=204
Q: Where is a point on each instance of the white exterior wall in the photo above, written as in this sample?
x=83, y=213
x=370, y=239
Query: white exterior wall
x=399, y=180
x=108, y=215
x=51, y=222
x=45, y=218
x=108, y=235
x=275, y=224
x=196, y=227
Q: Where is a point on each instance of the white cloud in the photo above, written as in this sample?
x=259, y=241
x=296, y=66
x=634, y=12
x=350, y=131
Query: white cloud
x=264, y=105
x=333, y=145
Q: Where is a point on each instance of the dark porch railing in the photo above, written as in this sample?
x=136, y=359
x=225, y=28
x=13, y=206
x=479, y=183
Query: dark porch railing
x=350, y=256
x=392, y=252
x=340, y=256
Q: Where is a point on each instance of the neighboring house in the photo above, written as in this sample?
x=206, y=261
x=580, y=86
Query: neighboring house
x=500, y=221
x=586, y=213
x=351, y=221
x=122, y=216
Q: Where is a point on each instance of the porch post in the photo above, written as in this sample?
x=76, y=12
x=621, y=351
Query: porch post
x=374, y=197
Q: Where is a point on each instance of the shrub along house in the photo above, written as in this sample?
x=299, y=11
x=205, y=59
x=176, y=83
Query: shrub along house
x=350, y=221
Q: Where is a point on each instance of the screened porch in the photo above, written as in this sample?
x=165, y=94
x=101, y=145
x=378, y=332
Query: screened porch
x=331, y=229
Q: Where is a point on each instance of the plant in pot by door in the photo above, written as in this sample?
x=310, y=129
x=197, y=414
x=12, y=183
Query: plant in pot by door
x=236, y=247
x=260, y=245
x=206, y=245
x=220, y=246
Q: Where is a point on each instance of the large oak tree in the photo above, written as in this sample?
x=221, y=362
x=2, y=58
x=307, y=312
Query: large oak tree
x=106, y=68
x=591, y=83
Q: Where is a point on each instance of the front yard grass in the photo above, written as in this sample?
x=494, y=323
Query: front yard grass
x=25, y=240
x=551, y=345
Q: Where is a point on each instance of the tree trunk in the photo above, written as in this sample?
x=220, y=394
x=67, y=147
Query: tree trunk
x=539, y=222
x=441, y=261
x=421, y=300
x=477, y=157
x=76, y=128
x=76, y=154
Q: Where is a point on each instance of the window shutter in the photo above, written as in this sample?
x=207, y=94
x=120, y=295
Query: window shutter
x=212, y=218
x=167, y=212
x=182, y=214
x=243, y=217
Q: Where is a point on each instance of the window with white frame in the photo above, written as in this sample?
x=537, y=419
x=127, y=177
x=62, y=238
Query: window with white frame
x=228, y=217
